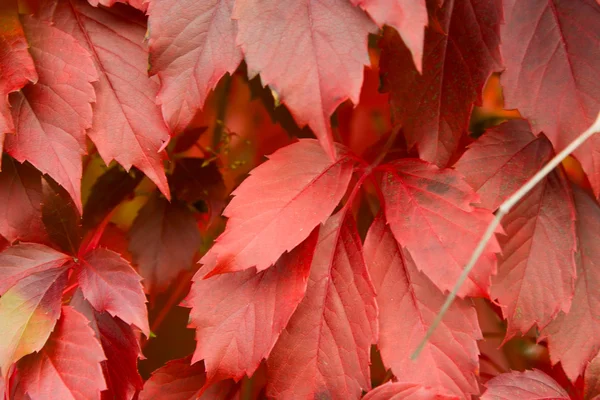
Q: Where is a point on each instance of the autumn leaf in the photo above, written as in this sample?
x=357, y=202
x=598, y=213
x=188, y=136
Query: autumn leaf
x=238, y=317
x=408, y=302
x=279, y=204
x=125, y=114
x=190, y=55
x=21, y=197
x=430, y=212
x=17, y=65
x=527, y=385
x=110, y=284
x=310, y=52
x=461, y=51
x=178, y=380
x=574, y=337
x=28, y=311
x=408, y=17
x=502, y=160
x=406, y=391
x=324, y=350
x=536, y=270
x=121, y=349
x=23, y=259
x=163, y=241
x=52, y=116
x=551, y=72
x=68, y=366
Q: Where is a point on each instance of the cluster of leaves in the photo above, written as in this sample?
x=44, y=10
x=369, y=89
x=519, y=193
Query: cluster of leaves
x=337, y=253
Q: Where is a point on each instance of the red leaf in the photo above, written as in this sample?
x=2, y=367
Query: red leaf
x=502, y=160
x=121, y=348
x=408, y=17
x=21, y=197
x=178, y=380
x=24, y=259
x=17, y=64
x=61, y=218
x=574, y=338
x=163, y=240
x=110, y=284
x=592, y=380
x=408, y=303
x=125, y=115
x=139, y=4
x=68, y=367
x=191, y=54
x=51, y=117
x=430, y=213
x=278, y=206
x=406, y=391
x=310, y=52
x=551, y=74
x=527, y=385
x=238, y=317
x=324, y=350
x=28, y=311
x=536, y=270
x=459, y=56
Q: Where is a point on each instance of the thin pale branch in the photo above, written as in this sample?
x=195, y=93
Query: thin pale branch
x=502, y=211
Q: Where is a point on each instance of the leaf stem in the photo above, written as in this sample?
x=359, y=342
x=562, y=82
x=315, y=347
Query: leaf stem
x=502, y=211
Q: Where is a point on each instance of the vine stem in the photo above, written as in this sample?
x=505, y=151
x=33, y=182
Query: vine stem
x=502, y=211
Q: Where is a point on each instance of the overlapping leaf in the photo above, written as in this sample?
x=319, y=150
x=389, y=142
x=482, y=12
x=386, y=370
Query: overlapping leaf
x=278, y=206
x=552, y=64
x=536, y=270
x=120, y=347
x=17, y=64
x=178, y=380
x=406, y=391
x=430, y=213
x=460, y=52
x=574, y=338
x=21, y=197
x=51, y=117
x=592, y=380
x=324, y=350
x=311, y=52
x=408, y=17
x=238, y=317
x=163, y=240
x=502, y=160
x=110, y=284
x=408, y=302
x=28, y=311
x=19, y=261
x=192, y=45
x=125, y=113
x=528, y=385
x=68, y=366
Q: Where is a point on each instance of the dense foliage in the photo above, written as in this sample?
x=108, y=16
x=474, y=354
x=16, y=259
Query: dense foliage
x=138, y=211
